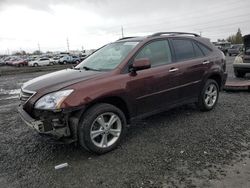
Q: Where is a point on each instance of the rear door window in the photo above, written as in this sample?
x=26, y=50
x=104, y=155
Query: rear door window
x=158, y=52
x=183, y=49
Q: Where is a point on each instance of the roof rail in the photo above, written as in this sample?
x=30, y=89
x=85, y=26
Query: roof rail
x=125, y=38
x=173, y=33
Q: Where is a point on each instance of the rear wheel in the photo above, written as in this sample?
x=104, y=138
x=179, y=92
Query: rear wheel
x=51, y=63
x=209, y=96
x=239, y=74
x=35, y=65
x=102, y=128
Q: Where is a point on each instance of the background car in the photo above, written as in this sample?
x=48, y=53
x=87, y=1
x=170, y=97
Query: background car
x=56, y=59
x=2, y=62
x=69, y=59
x=10, y=60
x=223, y=46
x=41, y=62
x=20, y=62
x=242, y=62
x=235, y=49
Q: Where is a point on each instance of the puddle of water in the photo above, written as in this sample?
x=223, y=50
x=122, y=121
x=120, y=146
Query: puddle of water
x=10, y=92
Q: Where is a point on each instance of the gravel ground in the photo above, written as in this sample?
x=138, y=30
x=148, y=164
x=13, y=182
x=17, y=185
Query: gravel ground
x=179, y=148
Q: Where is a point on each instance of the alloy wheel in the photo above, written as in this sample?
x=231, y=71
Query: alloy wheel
x=211, y=95
x=106, y=130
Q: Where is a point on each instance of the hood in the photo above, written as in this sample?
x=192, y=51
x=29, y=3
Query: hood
x=59, y=79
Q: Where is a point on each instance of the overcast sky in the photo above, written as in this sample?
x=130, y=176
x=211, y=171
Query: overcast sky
x=92, y=23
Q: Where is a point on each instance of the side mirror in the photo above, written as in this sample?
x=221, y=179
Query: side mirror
x=140, y=64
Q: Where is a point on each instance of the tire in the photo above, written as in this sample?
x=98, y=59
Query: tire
x=208, y=98
x=77, y=62
x=51, y=63
x=35, y=65
x=239, y=74
x=64, y=62
x=89, y=124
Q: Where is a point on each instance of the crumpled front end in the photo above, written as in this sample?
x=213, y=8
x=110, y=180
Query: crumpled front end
x=57, y=124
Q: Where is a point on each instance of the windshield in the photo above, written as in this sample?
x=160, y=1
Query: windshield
x=108, y=57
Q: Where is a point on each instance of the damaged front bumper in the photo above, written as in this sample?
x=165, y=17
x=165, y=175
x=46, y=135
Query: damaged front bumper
x=64, y=129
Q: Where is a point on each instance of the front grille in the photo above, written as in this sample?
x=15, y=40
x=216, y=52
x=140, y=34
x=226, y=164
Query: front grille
x=25, y=95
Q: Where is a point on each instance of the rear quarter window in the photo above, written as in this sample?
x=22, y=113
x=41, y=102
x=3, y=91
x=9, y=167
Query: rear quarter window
x=198, y=51
x=204, y=49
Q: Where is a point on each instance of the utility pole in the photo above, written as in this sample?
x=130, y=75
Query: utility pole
x=68, y=44
x=200, y=33
x=39, y=49
x=122, y=31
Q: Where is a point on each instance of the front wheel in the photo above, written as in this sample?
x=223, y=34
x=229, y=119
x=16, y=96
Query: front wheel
x=102, y=128
x=209, y=96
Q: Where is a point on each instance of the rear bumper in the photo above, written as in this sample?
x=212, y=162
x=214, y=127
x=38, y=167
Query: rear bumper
x=244, y=67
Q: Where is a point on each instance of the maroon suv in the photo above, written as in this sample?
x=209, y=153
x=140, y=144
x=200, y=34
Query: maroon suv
x=131, y=78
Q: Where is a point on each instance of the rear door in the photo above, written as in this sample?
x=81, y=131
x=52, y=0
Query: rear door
x=155, y=89
x=193, y=64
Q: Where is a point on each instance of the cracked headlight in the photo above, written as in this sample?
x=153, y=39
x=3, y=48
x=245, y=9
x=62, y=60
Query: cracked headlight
x=52, y=101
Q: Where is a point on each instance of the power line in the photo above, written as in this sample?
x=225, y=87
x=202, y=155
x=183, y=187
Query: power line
x=196, y=25
x=221, y=11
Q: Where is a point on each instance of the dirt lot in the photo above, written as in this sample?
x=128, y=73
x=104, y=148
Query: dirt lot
x=179, y=148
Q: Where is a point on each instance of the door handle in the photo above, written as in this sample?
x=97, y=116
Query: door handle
x=206, y=62
x=173, y=69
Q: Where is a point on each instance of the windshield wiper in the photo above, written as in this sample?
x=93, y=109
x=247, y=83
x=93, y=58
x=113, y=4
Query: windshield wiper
x=88, y=68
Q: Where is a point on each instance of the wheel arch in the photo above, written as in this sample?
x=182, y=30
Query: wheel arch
x=113, y=100
x=217, y=78
x=214, y=76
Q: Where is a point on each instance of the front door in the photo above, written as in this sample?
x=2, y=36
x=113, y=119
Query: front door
x=155, y=88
